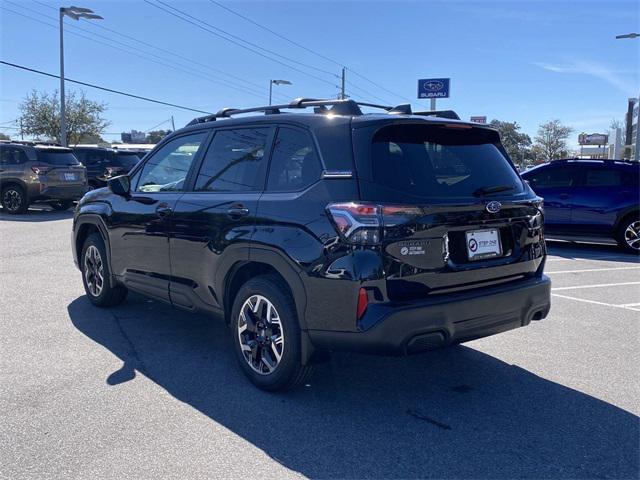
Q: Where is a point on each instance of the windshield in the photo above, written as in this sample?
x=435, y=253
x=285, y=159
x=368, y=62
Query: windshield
x=435, y=161
x=57, y=157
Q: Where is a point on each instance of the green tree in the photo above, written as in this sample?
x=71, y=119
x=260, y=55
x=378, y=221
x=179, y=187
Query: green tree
x=157, y=135
x=40, y=113
x=551, y=140
x=516, y=143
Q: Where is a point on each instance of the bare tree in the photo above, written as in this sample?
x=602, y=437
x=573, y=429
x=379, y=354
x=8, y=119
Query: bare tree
x=551, y=140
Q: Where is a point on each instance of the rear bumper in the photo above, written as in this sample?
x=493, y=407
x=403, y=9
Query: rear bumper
x=444, y=320
x=60, y=192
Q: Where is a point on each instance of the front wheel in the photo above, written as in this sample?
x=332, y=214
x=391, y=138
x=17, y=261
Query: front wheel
x=629, y=234
x=266, y=334
x=14, y=200
x=96, y=275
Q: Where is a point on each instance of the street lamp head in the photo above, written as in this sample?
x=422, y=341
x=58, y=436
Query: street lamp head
x=281, y=82
x=79, y=12
x=628, y=35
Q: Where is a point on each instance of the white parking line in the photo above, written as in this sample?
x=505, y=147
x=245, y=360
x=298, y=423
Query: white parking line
x=589, y=259
x=624, y=307
x=594, y=270
x=596, y=286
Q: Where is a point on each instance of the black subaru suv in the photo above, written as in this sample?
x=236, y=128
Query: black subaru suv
x=388, y=233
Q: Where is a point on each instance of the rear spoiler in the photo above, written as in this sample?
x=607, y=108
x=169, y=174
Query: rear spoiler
x=450, y=114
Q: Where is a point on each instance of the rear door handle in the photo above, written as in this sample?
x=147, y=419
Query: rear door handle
x=238, y=211
x=163, y=210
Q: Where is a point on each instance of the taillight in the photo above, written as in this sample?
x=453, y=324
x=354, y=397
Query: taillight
x=364, y=223
x=363, y=302
x=40, y=170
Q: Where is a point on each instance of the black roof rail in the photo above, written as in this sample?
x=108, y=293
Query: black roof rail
x=439, y=113
x=338, y=107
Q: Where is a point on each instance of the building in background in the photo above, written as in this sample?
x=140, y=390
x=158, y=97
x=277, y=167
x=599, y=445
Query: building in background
x=134, y=136
x=616, y=143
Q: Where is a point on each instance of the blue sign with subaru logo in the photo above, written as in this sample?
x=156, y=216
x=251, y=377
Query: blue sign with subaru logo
x=433, y=88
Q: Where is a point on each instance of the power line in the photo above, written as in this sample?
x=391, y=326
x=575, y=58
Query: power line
x=306, y=48
x=173, y=54
x=273, y=32
x=254, y=45
x=156, y=126
x=110, y=90
x=188, y=69
x=213, y=32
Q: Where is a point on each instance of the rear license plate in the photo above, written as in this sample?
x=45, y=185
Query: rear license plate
x=483, y=244
x=70, y=176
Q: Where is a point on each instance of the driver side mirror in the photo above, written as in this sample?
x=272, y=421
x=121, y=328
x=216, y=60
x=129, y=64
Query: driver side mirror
x=120, y=185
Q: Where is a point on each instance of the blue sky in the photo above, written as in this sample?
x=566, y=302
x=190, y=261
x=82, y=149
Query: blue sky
x=524, y=61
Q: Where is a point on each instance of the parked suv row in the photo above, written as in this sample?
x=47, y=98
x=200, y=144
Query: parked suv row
x=104, y=163
x=39, y=173
x=387, y=233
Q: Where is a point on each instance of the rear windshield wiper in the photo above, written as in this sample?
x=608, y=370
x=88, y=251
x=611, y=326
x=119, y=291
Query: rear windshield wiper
x=495, y=189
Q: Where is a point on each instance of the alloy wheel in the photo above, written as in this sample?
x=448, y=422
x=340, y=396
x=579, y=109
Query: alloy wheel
x=632, y=235
x=260, y=334
x=93, y=270
x=12, y=200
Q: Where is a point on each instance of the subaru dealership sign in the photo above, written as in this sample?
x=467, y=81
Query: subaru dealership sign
x=433, y=88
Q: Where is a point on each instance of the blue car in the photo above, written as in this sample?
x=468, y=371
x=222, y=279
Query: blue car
x=590, y=200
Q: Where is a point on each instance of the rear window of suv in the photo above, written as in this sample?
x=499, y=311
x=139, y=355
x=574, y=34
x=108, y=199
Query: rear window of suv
x=441, y=162
x=127, y=160
x=56, y=157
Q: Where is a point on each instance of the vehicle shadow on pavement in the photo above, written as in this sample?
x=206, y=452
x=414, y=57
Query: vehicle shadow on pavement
x=590, y=251
x=450, y=413
x=34, y=215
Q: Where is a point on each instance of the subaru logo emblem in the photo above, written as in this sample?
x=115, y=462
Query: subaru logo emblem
x=433, y=86
x=493, y=207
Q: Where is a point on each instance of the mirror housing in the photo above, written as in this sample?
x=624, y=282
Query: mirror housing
x=120, y=185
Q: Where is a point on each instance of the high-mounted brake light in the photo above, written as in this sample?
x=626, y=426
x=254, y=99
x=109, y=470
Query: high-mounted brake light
x=364, y=223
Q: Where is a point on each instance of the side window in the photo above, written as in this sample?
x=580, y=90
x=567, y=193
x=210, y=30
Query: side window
x=603, y=177
x=167, y=169
x=294, y=163
x=235, y=161
x=12, y=156
x=554, y=177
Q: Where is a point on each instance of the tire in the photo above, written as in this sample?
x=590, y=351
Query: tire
x=61, y=205
x=14, y=200
x=628, y=235
x=96, y=274
x=260, y=363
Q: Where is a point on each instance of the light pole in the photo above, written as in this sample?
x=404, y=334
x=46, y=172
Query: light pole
x=76, y=13
x=276, y=82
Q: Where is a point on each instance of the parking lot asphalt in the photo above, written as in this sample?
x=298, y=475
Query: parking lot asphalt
x=144, y=390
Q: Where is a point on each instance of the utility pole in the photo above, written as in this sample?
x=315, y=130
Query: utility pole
x=63, y=120
x=173, y=124
x=342, y=92
x=21, y=130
